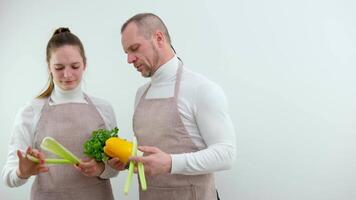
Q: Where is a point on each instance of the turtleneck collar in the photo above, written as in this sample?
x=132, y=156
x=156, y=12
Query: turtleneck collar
x=65, y=96
x=166, y=73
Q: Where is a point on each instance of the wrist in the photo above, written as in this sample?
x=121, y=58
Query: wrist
x=169, y=164
x=101, y=167
x=20, y=175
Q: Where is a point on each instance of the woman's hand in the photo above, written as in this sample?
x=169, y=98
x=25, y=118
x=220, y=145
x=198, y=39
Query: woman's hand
x=89, y=167
x=115, y=163
x=27, y=167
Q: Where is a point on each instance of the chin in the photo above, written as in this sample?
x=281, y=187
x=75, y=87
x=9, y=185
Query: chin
x=146, y=74
x=68, y=87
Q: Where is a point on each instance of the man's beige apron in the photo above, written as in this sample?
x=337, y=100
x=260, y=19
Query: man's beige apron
x=71, y=124
x=156, y=122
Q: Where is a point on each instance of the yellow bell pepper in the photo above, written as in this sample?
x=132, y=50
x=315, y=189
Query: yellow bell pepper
x=116, y=147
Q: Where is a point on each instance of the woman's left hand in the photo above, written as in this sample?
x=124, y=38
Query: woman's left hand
x=90, y=167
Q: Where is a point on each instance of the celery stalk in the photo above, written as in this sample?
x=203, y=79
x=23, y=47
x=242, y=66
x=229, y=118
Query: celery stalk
x=129, y=178
x=50, y=160
x=141, y=172
x=51, y=145
x=131, y=167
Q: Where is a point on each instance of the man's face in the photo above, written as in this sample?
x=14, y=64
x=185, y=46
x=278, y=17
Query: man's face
x=141, y=52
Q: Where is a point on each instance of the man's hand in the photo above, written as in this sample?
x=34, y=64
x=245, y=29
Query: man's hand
x=156, y=162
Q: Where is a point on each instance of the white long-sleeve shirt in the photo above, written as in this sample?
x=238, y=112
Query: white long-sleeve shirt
x=26, y=121
x=203, y=109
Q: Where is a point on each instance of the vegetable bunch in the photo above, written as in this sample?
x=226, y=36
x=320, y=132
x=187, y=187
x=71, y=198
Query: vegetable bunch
x=94, y=147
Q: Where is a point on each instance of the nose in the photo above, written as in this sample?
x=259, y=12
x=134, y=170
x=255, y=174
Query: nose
x=67, y=72
x=131, y=58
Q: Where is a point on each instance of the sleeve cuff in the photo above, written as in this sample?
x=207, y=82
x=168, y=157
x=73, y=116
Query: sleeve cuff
x=108, y=172
x=17, y=181
x=178, y=163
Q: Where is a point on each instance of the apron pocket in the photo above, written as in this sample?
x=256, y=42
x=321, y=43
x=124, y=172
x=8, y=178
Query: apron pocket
x=171, y=193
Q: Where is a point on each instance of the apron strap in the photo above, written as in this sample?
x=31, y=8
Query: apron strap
x=178, y=79
x=176, y=85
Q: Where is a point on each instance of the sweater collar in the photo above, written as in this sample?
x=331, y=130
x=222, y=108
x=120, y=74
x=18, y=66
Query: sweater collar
x=166, y=73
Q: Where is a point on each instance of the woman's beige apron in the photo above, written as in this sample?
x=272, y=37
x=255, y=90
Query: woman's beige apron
x=71, y=124
x=156, y=122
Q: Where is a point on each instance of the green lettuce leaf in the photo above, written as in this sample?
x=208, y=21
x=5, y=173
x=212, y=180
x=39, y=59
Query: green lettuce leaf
x=94, y=147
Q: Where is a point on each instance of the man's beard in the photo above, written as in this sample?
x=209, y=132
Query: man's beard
x=155, y=63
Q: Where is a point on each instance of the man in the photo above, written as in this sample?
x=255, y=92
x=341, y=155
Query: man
x=180, y=120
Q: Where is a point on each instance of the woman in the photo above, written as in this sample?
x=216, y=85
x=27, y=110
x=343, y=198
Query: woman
x=63, y=111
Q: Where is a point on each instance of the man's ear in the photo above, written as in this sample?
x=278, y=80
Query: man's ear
x=159, y=38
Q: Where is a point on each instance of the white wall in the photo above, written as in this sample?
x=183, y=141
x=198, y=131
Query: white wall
x=287, y=68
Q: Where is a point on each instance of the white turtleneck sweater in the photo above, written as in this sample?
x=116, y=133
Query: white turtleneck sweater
x=23, y=133
x=203, y=109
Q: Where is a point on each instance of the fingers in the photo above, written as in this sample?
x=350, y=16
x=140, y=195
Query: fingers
x=137, y=159
x=89, y=167
x=87, y=163
x=41, y=169
x=85, y=170
x=135, y=170
x=19, y=154
x=116, y=164
x=77, y=167
x=149, y=149
x=36, y=153
x=113, y=160
x=28, y=150
x=86, y=159
x=39, y=155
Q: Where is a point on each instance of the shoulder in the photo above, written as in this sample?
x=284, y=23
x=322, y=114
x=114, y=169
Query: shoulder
x=101, y=103
x=106, y=110
x=202, y=93
x=141, y=90
x=30, y=112
x=200, y=85
x=32, y=107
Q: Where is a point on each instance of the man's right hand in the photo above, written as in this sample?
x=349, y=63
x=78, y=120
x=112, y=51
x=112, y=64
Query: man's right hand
x=115, y=163
x=27, y=167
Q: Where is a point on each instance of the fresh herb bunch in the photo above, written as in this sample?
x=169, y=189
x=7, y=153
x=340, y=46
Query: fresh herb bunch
x=94, y=147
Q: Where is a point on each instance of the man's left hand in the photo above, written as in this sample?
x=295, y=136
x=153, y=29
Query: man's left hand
x=156, y=162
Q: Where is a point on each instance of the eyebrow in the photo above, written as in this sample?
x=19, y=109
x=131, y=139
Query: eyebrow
x=70, y=63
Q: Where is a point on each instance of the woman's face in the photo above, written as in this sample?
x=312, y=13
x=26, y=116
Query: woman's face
x=66, y=66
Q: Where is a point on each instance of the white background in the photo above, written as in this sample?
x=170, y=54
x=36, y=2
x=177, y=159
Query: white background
x=287, y=68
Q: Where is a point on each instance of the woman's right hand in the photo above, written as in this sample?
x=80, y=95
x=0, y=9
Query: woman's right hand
x=27, y=167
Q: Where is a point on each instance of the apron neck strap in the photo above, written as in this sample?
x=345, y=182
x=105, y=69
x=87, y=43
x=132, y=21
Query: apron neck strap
x=86, y=97
x=176, y=85
x=178, y=79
